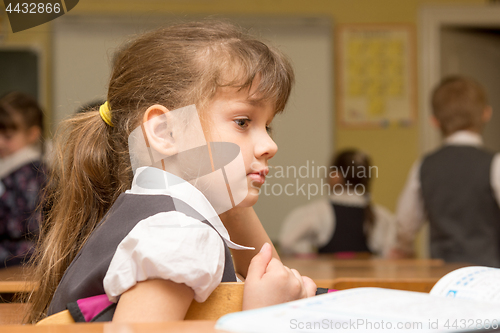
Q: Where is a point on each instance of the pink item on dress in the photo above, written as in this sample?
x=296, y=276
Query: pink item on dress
x=92, y=306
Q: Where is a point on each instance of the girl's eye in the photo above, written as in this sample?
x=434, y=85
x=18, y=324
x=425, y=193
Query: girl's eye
x=269, y=130
x=243, y=123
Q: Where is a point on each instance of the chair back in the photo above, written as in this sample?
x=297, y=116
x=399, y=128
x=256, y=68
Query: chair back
x=226, y=298
x=60, y=318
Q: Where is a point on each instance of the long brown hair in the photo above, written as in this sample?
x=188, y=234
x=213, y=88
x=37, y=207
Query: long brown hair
x=174, y=66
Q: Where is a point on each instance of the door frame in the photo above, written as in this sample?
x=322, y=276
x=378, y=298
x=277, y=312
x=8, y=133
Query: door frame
x=38, y=49
x=431, y=20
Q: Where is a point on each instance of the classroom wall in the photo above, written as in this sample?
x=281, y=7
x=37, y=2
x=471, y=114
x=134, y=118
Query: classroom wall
x=393, y=149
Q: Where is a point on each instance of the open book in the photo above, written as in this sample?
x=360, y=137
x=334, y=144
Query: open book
x=464, y=300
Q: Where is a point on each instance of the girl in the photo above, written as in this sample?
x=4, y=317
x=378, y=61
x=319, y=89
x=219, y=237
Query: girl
x=160, y=245
x=346, y=221
x=22, y=175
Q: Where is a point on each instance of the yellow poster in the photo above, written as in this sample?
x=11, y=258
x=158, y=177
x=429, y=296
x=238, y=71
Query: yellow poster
x=376, y=80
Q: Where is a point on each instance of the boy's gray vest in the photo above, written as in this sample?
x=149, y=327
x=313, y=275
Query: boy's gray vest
x=461, y=207
x=84, y=277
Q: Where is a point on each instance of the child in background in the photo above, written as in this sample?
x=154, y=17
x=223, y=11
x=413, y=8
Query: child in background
x=346, y=221
x=22, y=175
x=156, y=247
x=457, y=187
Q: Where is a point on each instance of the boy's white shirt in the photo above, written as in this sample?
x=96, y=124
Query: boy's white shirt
x=193, y=254
x=410, y=214
x=311, y=226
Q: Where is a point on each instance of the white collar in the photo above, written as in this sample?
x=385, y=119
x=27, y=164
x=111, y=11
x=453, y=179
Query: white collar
x=159, y=182
x=353, y=199
x=464, y=138
x=18, y=159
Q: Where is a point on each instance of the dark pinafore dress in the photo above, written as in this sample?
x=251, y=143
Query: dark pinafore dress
x=349, y=235
x=81, y=289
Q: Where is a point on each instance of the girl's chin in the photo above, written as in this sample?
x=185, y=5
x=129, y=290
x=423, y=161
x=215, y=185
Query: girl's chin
x=249, y=201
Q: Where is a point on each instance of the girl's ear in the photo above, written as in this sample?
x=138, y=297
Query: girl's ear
x=487, y=113
x=159, y=130
x=435, y=122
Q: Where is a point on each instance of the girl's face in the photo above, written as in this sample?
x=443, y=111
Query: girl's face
x=238, y=117
x=12, y=141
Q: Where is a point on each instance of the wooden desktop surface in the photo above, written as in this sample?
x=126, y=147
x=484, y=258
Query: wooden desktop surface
x=189, y=326
x=13, y=279
x=321, y=268
x=325, y=270
x=324, y=267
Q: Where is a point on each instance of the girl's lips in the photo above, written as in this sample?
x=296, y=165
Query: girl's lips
x=258, y=177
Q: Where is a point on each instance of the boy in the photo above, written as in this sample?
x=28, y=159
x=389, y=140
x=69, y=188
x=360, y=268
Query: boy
x=457, y=187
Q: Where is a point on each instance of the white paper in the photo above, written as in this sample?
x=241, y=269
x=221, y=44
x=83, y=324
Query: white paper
x=477, y=283
x=366, y=310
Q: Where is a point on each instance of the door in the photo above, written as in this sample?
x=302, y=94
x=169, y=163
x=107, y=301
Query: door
x=475, y=52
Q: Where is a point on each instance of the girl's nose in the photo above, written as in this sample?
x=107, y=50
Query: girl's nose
x=266, y=147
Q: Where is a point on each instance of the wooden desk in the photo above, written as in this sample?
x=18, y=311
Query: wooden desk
x=13, y=279
x=11, y=313
x=324, y=268
x=188, y=326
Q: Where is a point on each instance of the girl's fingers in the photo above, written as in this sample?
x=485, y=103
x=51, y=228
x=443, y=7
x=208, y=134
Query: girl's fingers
x=310, y=286
x=296, y=273
x=303, y=292
x=258, y=264
x=275, y=265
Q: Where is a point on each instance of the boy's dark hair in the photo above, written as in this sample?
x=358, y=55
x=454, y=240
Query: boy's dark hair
x=19, y=111
x=458, y=103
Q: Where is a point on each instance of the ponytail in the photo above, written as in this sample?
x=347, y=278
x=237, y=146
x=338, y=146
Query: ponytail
x=83, y=184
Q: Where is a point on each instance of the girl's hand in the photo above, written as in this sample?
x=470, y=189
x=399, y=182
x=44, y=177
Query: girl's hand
x=396, y=253
x=269, y=282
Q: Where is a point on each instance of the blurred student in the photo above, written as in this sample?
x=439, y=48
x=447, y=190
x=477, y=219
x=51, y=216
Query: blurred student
x=22, y=175
x=344, y=222
x=457, y=187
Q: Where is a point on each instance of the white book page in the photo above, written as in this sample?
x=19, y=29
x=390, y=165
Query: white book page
x=366, y=310
x=476, y=283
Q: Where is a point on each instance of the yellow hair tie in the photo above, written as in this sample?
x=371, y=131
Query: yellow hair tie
x=106, y=114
